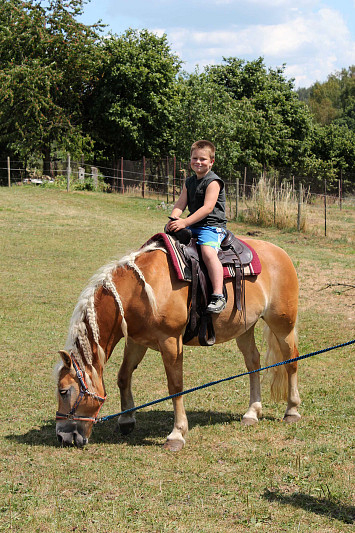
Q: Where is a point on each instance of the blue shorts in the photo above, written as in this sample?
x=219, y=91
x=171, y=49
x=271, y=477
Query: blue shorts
x=209, y=236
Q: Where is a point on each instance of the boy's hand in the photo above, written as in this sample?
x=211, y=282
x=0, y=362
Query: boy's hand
x=176, y=224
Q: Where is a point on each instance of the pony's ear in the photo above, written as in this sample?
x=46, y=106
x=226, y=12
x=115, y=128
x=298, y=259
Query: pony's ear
x=65, y=358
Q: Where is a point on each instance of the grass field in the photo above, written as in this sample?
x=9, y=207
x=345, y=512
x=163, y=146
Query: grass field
x=271, y=478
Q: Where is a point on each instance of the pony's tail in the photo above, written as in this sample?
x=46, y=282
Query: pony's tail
x=277, y=375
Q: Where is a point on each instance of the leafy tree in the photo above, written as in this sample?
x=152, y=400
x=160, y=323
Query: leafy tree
x=347, y=97
x=130, y=110
x=253, y=115
x=281, y=122
x=332, y=104
x=47, y=60
x=324, y=100
x=334, y=99
x=205, y=111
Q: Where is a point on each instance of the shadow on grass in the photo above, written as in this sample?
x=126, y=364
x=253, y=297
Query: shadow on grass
x=151, y=429
x=322, y=506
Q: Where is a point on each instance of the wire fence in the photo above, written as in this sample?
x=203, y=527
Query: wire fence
x=277, y=197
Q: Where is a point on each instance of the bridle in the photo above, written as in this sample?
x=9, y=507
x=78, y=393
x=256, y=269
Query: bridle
x=83, y=391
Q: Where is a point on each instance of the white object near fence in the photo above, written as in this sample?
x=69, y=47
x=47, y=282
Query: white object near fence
x=94, y=175
x=81, y=173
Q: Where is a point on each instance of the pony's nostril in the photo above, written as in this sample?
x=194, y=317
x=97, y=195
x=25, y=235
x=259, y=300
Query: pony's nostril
x=79, y=440
x=65, y=439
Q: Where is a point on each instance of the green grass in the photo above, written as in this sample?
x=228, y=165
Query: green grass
x=272, y=478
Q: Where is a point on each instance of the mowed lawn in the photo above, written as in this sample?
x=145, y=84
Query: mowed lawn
x=272, y=477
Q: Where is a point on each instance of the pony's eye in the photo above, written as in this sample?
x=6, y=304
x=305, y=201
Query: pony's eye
x=63, y=392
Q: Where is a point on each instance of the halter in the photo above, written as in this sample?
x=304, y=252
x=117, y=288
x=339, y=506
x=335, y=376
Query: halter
x=83, y=390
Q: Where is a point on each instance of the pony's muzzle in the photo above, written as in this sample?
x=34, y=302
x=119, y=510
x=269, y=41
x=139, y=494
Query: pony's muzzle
x=67, y=436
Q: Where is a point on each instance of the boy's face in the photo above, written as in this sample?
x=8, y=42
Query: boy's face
x=201, y=161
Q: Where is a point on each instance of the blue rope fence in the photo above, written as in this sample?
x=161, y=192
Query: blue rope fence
x=205, y=385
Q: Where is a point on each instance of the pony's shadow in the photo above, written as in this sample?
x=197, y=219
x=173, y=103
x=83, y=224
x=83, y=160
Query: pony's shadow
x=322, y=506
x=151, y=429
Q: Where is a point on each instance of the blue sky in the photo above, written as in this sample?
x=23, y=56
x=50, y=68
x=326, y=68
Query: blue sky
x=314, y=38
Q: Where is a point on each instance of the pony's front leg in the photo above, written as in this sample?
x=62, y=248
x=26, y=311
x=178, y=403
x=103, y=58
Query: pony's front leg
x=133, y=354
x=246, y=344
x=172, y=353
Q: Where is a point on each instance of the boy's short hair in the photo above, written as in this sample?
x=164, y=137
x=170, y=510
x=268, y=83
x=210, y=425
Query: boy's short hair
x=201, y=145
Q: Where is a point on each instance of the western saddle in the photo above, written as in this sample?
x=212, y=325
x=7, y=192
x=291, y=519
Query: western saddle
x=234, y=254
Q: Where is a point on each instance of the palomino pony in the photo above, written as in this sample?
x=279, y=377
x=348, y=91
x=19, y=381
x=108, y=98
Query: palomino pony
x=139, y=299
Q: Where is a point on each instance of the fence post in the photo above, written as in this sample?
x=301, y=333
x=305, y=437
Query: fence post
x=299, y=207
x=325, y=208
x=245, y=180
x=237, y=200
x=167, y=179
x=174, y=176
x=143, y=184
x=94, y=175
x=8, y=172
x=68, y=172
x=341, y=189
x=274, y=201
x=122, y=185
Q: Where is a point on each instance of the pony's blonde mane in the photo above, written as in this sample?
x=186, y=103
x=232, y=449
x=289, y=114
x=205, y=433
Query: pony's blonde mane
x=85, y=308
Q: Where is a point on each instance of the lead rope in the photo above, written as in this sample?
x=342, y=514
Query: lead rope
x=188, y=391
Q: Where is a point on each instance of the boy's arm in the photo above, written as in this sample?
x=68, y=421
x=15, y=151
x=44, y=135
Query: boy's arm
x=211, y=197
x=180, y=206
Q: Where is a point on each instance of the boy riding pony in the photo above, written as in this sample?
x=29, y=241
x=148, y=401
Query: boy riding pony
x=204, y=195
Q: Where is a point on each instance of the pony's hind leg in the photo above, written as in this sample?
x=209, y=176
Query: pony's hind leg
x=133, y=354
x=282, y=347
x=293, y=397
x=246, y=344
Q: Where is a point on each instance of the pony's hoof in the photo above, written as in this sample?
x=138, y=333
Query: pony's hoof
x=126, y=428
x=245, y=421
x=291, y=419
x=173, y=445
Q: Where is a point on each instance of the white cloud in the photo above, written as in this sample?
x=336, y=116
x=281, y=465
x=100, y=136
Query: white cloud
x=312, y=45
x=311, y=36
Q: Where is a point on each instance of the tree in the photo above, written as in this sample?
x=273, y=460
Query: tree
x=47, y=60
x=253, y=116
x=130, y=110
x=205, y=111
x=347, y=97
x=334, y=99
x=281, y=124
x=332, y=142
x=324, y=100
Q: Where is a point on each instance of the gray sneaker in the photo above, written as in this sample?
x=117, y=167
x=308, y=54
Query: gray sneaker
x=217, y=304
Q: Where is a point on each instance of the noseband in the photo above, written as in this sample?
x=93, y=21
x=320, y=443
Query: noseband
x=83, y=391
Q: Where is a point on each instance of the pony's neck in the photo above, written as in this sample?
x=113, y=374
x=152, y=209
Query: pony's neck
x=109, y=326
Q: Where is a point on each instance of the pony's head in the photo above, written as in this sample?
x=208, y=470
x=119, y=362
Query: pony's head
x=80, y=397
x=80, y=387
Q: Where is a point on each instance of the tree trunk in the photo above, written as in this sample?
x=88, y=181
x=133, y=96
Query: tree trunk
x=47, y=160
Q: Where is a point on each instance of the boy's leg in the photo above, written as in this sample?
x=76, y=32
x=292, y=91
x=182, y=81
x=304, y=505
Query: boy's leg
x=214, y=267
x=209, y=239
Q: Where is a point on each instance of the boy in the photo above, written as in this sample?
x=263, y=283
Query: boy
x=204, y=195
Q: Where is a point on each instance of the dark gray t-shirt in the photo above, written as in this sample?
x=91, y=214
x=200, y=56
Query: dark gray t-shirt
x=196, y=190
